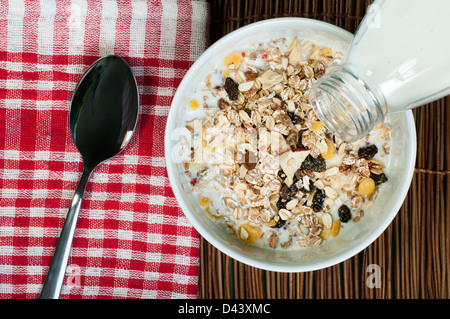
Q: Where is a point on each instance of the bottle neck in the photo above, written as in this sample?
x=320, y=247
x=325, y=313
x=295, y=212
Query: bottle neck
x=347, y=105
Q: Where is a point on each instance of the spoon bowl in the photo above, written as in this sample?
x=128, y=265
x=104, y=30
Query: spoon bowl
x=103, y=117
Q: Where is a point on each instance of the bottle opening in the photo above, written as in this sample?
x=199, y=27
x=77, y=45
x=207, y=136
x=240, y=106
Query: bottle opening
x=346, y=105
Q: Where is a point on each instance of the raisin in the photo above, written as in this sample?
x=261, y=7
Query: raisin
x=287, y=193
x=281, y=203
x=292, y=190
x=284, y=192
x=314, y=164
x=295, y=118
x=344, y=213
x=368, y=152
x=318, y=200
x=298, y=175
x=232, y=89
x=378, y=178
x=300, y=145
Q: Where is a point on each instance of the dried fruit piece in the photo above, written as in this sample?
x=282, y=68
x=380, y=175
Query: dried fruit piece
x=330, y=150
x=281, y=203
x=296, y=54
x=318, y=200
x=368, y=152
x=366, y=186
x=232, y=89
x=281, y=174
x=300, y=145
x=344, y=213
x=269, y=78
x=288, y=192
x=378, y=178
x=335, y=228
x=316, y=164
x=249, y=234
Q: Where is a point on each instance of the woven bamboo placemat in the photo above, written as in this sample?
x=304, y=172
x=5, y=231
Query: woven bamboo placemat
x=413, y=253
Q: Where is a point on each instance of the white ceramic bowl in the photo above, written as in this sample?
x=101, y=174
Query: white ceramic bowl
x=350, y=242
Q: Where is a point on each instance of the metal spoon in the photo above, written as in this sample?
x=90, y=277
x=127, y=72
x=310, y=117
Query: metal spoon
x=103, y=117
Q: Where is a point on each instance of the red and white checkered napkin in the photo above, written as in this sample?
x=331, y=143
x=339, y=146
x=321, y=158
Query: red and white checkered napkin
x=132, y=239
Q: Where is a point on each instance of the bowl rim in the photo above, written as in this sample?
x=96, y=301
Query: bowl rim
x=195, y=221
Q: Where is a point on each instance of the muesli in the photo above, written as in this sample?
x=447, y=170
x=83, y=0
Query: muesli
x=261, y=163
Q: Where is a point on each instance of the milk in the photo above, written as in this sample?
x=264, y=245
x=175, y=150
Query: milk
x=403, y=46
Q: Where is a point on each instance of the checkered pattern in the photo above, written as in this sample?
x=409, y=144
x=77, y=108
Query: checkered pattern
x=132, y=239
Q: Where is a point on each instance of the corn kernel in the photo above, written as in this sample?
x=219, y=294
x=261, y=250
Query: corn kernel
x=249, y=234
x=335, y=228
x=234, y=59
x=204, y=201
x=330, y=150
x=193, y=104
x=317, y=126
x=366, y=186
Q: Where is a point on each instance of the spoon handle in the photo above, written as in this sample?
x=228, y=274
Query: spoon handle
x=55, y=276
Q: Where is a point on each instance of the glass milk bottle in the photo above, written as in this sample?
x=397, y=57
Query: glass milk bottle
x=399, y=59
